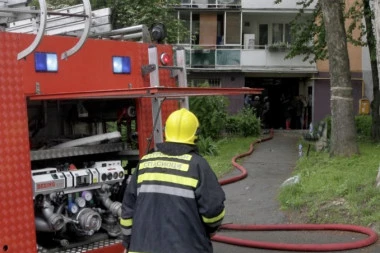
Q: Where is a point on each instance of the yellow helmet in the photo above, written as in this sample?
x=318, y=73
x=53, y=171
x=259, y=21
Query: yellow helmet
x=181, y=126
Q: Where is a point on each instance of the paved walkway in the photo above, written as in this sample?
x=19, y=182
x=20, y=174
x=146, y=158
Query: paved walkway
x=253, y=199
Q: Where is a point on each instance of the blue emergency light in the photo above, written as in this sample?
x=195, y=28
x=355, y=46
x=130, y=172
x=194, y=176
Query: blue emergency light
x=121, y=64
x=45, y=62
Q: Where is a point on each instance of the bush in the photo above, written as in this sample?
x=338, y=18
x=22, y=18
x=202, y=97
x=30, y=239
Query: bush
x=207, y=146
x=211, y=112
x=363, y=125
x=232, y=125
x=244, y=123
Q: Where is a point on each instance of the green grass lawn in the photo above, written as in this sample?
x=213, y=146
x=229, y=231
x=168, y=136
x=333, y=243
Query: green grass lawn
x=227, y=149
x=336, y=189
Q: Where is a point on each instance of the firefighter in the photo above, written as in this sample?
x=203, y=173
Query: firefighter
x=174, y=202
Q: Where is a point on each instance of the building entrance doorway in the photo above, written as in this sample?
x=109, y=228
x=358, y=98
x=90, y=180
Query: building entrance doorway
x=285, y=107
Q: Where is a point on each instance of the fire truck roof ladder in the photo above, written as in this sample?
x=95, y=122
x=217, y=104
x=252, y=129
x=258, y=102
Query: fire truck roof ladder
x=77, y=20
x=12, y=9
x=179, y=71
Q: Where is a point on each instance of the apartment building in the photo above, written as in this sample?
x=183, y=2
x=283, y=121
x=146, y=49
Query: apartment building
x=243, y=43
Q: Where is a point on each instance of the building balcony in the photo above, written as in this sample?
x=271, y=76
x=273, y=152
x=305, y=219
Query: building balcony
x=259, y=59
x=206, y=4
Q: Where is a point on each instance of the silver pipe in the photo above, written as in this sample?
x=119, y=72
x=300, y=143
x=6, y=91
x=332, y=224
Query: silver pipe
x=120, y=31
x=113, y=206
x=42, y=225
x=54, y=220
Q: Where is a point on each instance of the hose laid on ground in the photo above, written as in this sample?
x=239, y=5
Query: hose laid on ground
x=372, y=236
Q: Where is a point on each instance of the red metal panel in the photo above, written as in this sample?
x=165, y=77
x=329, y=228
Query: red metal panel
x=90, y=69
x=118, y=248
x=17, y=230
x=144, y=123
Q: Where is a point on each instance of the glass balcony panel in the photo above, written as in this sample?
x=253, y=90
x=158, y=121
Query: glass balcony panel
x=202, y=58
x=228, y=57
x=188, y=58
x=252, y=59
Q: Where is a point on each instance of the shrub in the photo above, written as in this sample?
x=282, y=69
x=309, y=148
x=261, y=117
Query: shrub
x=207, y=146
x=232, y=125
x=363, y=125
x=211, y=112
x=244, y=123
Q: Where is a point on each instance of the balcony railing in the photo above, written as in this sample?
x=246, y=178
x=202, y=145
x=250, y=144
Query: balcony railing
x=258, y=59
x=210, y=3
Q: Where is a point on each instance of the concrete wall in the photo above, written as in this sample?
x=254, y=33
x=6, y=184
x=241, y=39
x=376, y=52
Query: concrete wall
x=367, y=74
x=269, y=4
x=322, y=95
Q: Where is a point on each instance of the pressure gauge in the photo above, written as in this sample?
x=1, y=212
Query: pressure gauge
x=87, y=195
x=73, y=208
x=81, y=202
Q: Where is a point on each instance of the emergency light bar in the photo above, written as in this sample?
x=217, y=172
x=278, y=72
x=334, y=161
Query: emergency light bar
x=45, y=62
x=121, y=64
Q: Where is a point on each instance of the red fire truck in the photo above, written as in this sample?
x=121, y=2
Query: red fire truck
x=72, y=125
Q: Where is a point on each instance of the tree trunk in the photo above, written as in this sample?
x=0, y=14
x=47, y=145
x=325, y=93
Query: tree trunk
x=343, y=131
x=374, y=50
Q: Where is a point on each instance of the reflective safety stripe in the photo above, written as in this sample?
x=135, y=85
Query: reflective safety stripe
x=164, y=164
x=186, y=181
x=126, y=231
x=167, y=190
x=126, y=222
x=214, y=219
x=185, y=157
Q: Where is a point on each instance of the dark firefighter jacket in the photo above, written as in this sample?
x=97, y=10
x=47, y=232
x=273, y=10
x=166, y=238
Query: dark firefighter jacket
x=172, y=203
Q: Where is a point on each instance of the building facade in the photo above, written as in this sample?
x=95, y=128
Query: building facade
x=243, y=43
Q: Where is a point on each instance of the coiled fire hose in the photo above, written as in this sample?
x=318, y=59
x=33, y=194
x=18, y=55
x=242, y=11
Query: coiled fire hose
x=372, y=236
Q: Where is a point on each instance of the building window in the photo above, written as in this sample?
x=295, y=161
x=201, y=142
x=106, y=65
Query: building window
x=281, y=33
x=233, y=28
x=288, y=36
x=185, y=2
x=195, y=29
x=263, y=35
x=184, y=17
x=277, y=33
x=198, y=82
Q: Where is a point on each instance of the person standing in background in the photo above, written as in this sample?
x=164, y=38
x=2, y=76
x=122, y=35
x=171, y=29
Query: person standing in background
x=266, y=113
